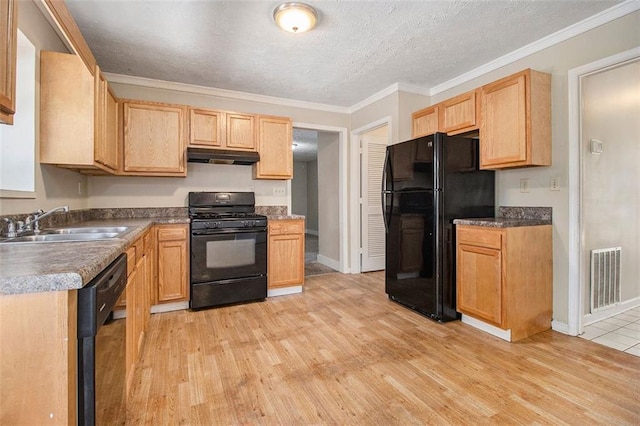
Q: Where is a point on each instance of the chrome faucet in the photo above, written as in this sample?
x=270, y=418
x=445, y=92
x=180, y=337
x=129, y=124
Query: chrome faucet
x=32, y=222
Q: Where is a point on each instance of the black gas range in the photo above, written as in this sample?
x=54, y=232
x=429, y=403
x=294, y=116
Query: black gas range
x=228, y=249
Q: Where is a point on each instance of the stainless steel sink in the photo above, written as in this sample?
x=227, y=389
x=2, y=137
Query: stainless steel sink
x=50, y=238
x=87, y=230
x=85, y=233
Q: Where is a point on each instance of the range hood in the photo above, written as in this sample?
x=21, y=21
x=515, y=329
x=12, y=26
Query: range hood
x=221, y=156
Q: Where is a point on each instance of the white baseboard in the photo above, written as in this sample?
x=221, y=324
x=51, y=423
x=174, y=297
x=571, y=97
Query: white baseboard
x=168, y=307
x=618, y=309
x=331, y=263
x=284, y=291
x=560, y=327
x=311, y=232
x=487, y=328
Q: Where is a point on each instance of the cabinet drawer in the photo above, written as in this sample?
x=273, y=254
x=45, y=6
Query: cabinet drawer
x=482, y=237
x=286, y=227
x=172, y=234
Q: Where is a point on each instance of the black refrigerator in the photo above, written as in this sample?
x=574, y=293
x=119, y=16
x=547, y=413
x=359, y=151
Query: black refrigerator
x=427, y=183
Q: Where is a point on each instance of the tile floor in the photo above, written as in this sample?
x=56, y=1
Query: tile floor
x=620, y=332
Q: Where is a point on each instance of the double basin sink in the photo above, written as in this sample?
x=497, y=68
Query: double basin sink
x=71, y=234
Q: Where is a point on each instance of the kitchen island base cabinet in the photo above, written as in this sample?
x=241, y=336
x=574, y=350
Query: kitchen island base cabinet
x=505, y=277
x=285, y=265
x=38, y=358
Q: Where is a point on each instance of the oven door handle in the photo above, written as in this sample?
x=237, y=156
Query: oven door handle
x=203, y=232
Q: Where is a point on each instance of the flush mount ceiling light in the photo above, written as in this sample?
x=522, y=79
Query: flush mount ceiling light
x=295, y=17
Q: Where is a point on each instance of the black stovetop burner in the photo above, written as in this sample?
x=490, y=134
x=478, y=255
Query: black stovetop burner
x=223, y=206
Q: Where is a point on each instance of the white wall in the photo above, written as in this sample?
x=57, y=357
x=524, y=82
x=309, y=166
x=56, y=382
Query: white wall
x=611, y=179
x=328, y=196
x=299, y=188
x=312, y=196
x=53, y=186
x=611, y=38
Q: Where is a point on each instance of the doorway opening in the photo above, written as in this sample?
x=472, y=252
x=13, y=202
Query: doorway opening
x=316, y=192
x=604, y=289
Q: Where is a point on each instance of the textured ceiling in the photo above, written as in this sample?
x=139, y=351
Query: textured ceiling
x=357, y=49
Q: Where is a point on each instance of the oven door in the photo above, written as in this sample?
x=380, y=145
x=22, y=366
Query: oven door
x=227, y=255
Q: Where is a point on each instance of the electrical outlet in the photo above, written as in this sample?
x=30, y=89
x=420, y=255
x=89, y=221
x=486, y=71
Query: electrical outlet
x=279, y=191
x=555, y=183
x=524, y=185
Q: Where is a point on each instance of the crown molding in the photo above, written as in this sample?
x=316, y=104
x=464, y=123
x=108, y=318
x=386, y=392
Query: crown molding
x=394, y=88
x=221, y=93
x=606, y=16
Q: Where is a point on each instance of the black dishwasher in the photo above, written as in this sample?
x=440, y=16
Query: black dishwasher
x=101, y=348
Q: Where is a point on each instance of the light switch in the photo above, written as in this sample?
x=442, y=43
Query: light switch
x=524, y=185
x=279, y=191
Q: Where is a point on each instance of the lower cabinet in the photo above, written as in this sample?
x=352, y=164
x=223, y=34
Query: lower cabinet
x=505, y=277
x=285, y=265
x=173, y=263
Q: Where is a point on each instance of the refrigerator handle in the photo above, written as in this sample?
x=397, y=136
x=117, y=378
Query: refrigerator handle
x=386, y=169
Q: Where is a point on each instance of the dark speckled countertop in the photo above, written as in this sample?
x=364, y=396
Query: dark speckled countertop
x=511, y=217
x=30, y=268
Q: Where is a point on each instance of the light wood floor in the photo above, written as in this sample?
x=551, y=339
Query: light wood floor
x=342, y=353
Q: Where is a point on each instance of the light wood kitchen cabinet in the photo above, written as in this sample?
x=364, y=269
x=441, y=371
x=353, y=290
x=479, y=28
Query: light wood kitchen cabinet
x=505, y=277
x=154, y=139
x=240, y=131
x=173, y=263
x=8, y=51
x=221, y=130
x=206, y=128
x=275, y=137
x=78, y=116
x=460, y=114
x=425, y=121
x=285, y=258
x=38, y=349
x=106, y=143
x=516, y=121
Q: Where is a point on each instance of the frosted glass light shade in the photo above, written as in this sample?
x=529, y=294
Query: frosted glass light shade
x=295, y=17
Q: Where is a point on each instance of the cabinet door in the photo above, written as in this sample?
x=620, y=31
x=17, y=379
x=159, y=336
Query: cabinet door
x=106, y=124
x=425, y=121
x=111, y=151
x=173, y=258
x=240, y=132
x=131, y=344
x=503, y=138
x=286, y=260
x=460, y=114
x=8, y=45
x=206, y=128
x=479, y=283
x=275, y=137
x=154, y=139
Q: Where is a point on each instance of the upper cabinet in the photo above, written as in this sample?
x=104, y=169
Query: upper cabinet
x=8, y=46
x=516, y=121
x=453, y=116
x=275, y=136
x=460, y=114
x=78, y=119
x=154, y=139
x=221, y=130
x=206, y=128
x=425, y=121
x=240, y=131
x=513, y=116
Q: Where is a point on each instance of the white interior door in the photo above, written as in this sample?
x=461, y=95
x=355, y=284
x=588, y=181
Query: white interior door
x=372, y=233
